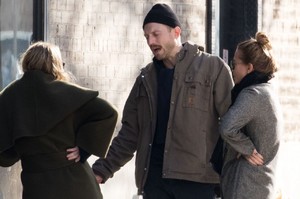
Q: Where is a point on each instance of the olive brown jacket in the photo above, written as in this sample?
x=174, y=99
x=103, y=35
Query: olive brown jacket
x=200, y=95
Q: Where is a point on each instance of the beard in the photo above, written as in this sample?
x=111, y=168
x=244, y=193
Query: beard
x=162, y=52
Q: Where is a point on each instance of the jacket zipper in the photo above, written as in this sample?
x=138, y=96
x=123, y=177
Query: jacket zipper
x=144, y=81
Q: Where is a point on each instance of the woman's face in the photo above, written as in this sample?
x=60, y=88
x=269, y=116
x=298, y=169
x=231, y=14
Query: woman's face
x=239, y=68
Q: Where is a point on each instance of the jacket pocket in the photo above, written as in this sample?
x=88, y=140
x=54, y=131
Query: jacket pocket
x=197, y=93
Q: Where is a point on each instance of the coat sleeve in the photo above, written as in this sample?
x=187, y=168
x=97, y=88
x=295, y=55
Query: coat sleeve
x=222, y=88
x=124, y=144
x=237, y=117
x=97, y=120
x=8, y=157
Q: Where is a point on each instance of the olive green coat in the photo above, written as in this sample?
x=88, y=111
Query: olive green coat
x=200, y=95
x=39, y=119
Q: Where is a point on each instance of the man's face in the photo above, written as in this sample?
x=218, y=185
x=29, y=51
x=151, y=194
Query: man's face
x=161, y=40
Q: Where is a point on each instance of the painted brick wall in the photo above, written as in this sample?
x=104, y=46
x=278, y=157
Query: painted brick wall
x=281, y=20
x=102, y=42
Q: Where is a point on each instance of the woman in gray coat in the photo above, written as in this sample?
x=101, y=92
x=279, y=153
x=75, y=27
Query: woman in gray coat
x=251, y=127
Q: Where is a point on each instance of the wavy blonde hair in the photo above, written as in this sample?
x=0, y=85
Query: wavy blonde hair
x=46, y=57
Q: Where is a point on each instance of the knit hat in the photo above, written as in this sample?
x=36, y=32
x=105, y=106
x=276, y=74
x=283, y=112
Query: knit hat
x=162, y=13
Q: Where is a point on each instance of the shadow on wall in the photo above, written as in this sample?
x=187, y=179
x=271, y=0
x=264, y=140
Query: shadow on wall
x=109, y=44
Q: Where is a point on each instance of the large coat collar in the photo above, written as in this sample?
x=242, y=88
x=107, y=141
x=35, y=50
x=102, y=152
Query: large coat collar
x=36, y=103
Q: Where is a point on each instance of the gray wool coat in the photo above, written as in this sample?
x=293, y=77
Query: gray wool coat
x=253, y=122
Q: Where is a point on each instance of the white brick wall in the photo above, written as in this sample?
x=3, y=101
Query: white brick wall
x=281, y=20
x=102, y=41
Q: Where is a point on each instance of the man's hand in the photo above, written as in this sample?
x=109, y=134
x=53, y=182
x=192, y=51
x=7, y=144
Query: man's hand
x=73, y=154
x=99, y=179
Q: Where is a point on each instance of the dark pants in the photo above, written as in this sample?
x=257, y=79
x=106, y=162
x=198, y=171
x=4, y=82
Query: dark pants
x=158, y=188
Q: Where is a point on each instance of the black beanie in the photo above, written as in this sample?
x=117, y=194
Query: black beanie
x=162, y=13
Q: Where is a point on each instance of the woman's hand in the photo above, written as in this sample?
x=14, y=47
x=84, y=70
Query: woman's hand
x=255, y=158
x=73, y=154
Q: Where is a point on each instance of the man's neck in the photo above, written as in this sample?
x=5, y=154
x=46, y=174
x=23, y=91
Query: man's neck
x=171, y=61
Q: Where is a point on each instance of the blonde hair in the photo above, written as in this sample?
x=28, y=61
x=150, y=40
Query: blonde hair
x=45, y=57
x=258, y=52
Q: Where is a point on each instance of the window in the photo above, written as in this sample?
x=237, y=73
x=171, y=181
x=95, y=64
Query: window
x=20, y=23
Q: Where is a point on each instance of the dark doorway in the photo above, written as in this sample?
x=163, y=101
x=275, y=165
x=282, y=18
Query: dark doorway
x=238, y=22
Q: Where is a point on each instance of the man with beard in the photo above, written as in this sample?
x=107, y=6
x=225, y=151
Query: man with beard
x=170, y=118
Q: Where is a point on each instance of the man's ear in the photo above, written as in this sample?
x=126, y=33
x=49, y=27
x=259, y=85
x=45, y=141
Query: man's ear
x=177, y=31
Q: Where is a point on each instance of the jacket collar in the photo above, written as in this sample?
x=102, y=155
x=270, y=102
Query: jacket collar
x=188, y=50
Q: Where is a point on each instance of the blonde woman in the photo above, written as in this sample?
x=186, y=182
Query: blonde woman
x=43, y=118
